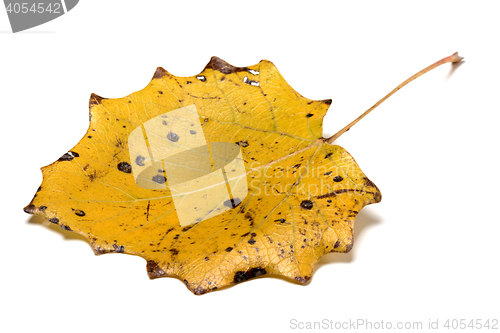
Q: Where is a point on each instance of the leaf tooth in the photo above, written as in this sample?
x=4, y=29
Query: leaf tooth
x=217, y=64
x=95, y=100
x=160, y=72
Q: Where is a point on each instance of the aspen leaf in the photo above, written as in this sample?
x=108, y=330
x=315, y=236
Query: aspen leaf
x=213, y=179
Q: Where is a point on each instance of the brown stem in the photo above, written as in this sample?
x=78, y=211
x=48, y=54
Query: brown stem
x=453, y=58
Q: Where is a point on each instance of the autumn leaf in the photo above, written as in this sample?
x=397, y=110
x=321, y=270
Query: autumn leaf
x=213, y=179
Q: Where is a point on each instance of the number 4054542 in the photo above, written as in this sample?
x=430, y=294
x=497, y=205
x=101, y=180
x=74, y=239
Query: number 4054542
x=38, y=8
x=471, y=324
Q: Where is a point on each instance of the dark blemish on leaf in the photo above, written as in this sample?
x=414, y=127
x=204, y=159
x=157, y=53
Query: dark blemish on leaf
x=42, y=208
x=54, y=220
x=118, y=249
x=302, y=279
x=94, y=100
x=124, y=167
x=164, y=122
x=232, y=203
x=309, y=103
x=68, y=156
x=244, y=235
x=139, y=160
x=253, y=234
x=306, y=204
x=229, y=249
x=186, y=228
x=172, y=137
x=338, y=179
x=251, y=241
x=119, y=143
x=159, y=73
x=201, y=78
x=217, y=64
x=161, y=92
x=280, y=220
x=329, y=201
x=328, y=173
x=348, y=248
x=240, y=276
x=309, y=115
x=223, y=79
x=174, y=252
x=29, y=209
x=296, y=166
x=337, y=244
x=154, y=271
x=176, y=236
x=79, y=212
x=369, y=182
x=90, y=136
x=327, y=101
x=188, y=82
x=65, y=227
x=160, y=179
x=192, y=132
x=206, y=120
x=242, y=143
x=207, y=258
x=328, y=155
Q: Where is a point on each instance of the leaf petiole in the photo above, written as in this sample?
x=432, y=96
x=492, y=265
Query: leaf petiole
x=453, y=59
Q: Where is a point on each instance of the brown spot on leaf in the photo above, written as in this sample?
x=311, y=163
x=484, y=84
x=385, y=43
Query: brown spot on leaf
x=306, y=204
x=69, y=156
x=242, y=143
x=338, y=179
x=29, y=209
x=79, y=212
x=160, y=179
x=217, y=64
x=95, y=100
x=173, y=136
x=54, y=220
x=154, y=271
x=159, y=73
x=241, y=276
x=139, y=160
x=124, y=167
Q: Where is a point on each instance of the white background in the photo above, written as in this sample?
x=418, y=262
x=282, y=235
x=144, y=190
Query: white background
x=429, y=250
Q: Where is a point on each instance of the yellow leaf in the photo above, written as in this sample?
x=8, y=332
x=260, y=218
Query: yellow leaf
x=213, y=179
